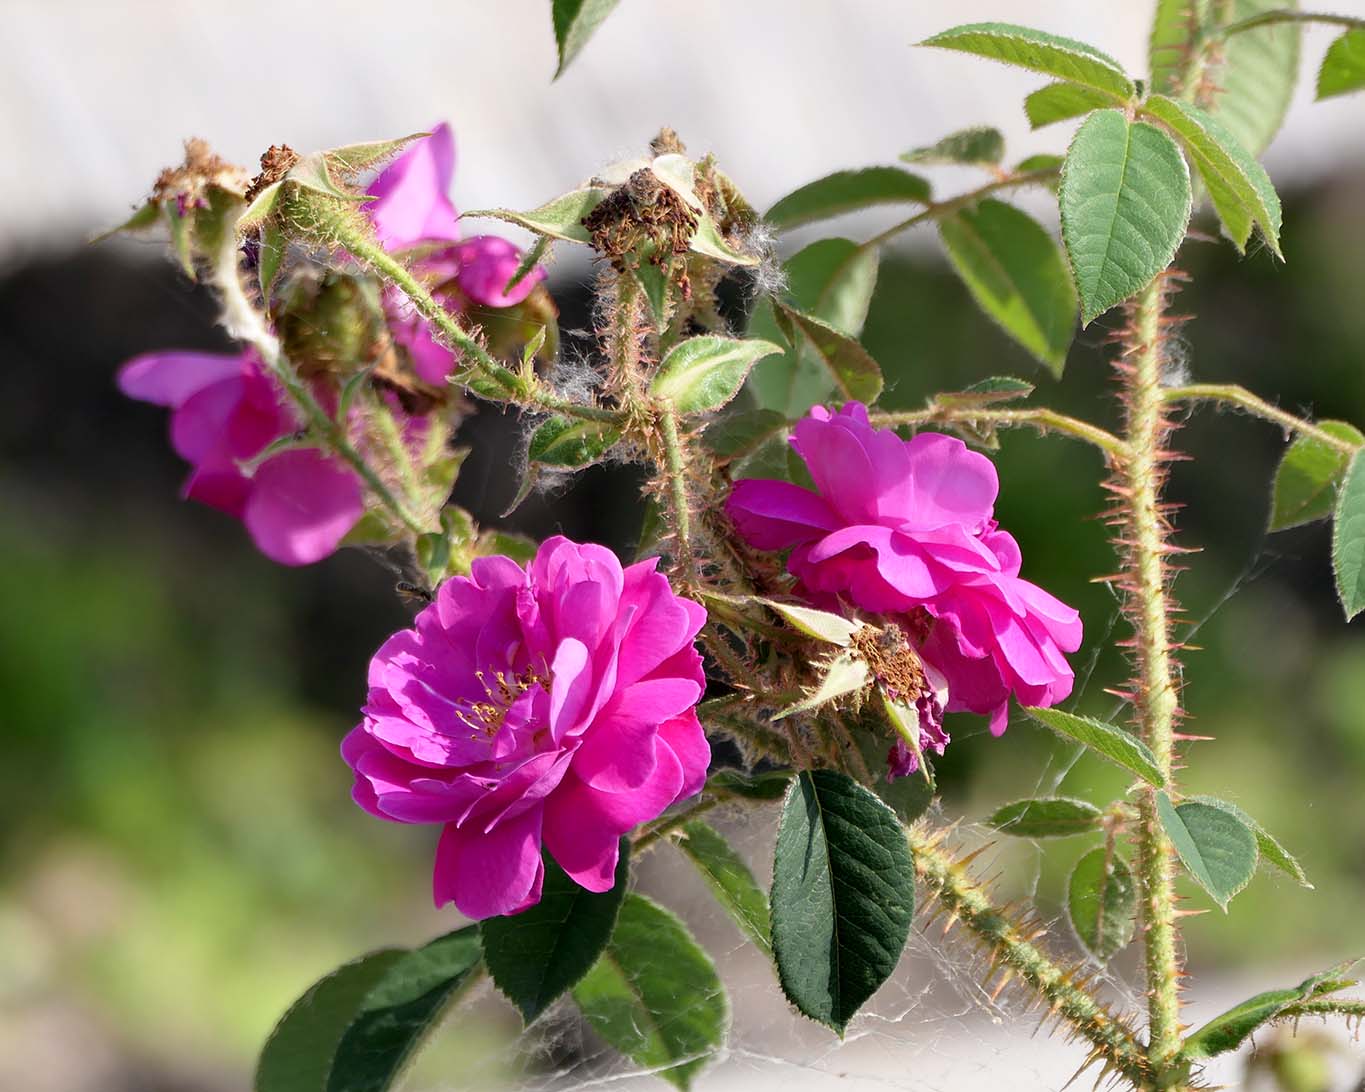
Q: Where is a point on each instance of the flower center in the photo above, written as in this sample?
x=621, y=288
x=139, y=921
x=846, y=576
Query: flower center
x=501, y=691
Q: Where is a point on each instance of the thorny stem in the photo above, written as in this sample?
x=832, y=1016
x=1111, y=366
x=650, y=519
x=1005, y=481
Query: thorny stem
x=676, y=466
x=514, y=387
x=1324, y=1006
x=245, y=323
x=1233, y=395
x=1044, y=420
x=1156, y=698
x=966, y=902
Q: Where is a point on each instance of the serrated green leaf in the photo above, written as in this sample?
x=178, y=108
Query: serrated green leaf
x=1256, y=80
x=574, y=23
x=1064, y=58
x=1017, y=274
x=1308, y=476
x=1229, y=1030
x=844, y=675
x=561, y=218
x=979, y=146
x=1348, y=539
x=1047, y=817
x=848, y=191
x=1240, y=189
x=399, y=1011
x=855, y=375
x=1062, y=101
x=1217, y=849
x=843, y=896
x=1107, y=740
x=702, y=374
x=1271, y=851
x=1125, y=203
x=569, y=443
x=298, y=1055
x=730, y=881
x=1101, y=901
x=536, y=956
x=1343, y=67
x=824, y=626
x=768, y=785
x=655, y=995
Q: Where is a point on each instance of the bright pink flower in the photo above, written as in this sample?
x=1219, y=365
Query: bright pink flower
x=551, y=705
x=297, y=505
x=412, y=208
x=905, y=527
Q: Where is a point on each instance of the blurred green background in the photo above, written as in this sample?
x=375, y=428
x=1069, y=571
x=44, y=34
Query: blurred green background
x=179, y=857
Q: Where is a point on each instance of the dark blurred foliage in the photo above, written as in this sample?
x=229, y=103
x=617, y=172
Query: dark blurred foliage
x=178, y=855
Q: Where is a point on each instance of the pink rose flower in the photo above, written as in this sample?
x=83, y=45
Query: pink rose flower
x=298, y=504
x=905, y=527
x=547, y=706
x=412, y=208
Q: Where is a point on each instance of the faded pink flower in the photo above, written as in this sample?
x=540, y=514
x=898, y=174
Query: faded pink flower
x=412, y=208
x=297, y=504
x=905, y=527
x=551, y=705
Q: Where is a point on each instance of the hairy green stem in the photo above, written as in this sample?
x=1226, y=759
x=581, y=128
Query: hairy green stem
x=1324, y=1006
x=676, y=465
x=1156, y=698
x=965, y=900
x=1271, y=18
x=1044, y=420
x=245, y=323
x=661, y=828
x=1230, y=394
x=513, y=387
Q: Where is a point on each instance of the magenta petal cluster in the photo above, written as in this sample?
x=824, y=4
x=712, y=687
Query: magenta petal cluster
x=906, y=527
x=412, y=208
x=548, y=706
x=297, y=504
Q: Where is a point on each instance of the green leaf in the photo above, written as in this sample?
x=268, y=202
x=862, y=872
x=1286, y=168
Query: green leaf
x=298, y=1055
x=707, y=241
x=1240, y=189
x=274, y=245
x=1343, y=68
x=1217, y=849
x=655, y=995
x=1017, y=274
x=909, y=797
x=832, y=279
x=1064, y=58
x=1120, y=747
x=823, y=625
x=847, y=191
x=570, y=443
x=1047, y=817
x=313, y=172
x=856, y=376
x=843, y=896
x=1169, y=44
x=1101, y=901
x=704, y=373
x=399, y=1011
x=561, y=218
x=1272, y=852
x=1125, y=202
x=574, y=22
x=844, y=675
x=987, y=392
x=980, y=146
x=1308, y=476
x=1042, y=162
x=1348, y=539
x=1060, y=102
x=538, y=954
x=768, y=785
x=739, y=434
x=354, y=158
x=1230, y=1029
x=730, y=881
